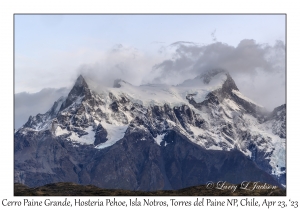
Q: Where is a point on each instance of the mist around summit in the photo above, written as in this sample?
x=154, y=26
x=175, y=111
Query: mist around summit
x=258, y=70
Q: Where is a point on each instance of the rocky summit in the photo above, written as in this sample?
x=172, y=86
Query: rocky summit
x=153, y=137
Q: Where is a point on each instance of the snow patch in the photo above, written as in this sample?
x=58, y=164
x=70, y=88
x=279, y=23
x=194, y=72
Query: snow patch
x=85, y=139
x=240, y=95
x=197, y=131
x=59, y=131
x=231, y=104
x=214, y=147
x=273, y=143
x=149, y=95
x=114, y=134
x=159, y=138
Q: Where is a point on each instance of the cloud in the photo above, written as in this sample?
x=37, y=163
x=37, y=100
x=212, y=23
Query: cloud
x=121, y=62
x=258, y=69
x=27, y=104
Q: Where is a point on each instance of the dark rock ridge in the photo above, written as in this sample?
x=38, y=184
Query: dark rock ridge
x=73, y=189
x=109, y=140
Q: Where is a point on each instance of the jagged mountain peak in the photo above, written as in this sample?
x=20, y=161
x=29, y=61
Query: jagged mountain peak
x=80, y=81
x=212, y=79
x=80, y=90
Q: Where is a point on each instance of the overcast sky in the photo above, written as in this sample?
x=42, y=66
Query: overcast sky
x=52, y=50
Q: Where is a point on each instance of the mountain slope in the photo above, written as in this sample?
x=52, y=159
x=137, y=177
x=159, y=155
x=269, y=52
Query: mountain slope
x=153, y=137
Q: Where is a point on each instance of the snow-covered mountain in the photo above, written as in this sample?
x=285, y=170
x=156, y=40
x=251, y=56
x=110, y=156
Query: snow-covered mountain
x=153, y=137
